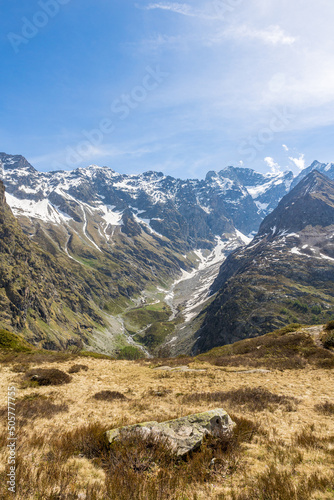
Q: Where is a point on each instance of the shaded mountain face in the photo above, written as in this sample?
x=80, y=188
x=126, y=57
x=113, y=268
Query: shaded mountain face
x=37, y=289
x=285, y=275
x=266, y=190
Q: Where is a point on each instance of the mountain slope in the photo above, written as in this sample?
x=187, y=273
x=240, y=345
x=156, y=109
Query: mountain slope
x=43, y=297
x=124, y=238
x=285, y=275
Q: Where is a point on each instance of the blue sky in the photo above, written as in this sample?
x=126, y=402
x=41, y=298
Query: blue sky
x=177, y=87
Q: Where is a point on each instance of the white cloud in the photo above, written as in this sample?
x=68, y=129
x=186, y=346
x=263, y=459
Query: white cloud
x=178, y=8
x=273, y=35
x=274, y=167
x=298, y=162
x=285, y=147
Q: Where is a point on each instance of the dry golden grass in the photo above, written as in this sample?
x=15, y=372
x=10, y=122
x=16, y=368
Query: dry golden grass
x=287, y=455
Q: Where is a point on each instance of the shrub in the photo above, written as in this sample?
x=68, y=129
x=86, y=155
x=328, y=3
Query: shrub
x=130, y=353
x=328, y=340
x=47, y=376
x=77, y=368
x=300, y=307
x=329, y=326
x=109, y=396
x=316, y=309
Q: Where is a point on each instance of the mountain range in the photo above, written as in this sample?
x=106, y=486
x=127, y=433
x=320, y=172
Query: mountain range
x=133, y=259
x=285, y=275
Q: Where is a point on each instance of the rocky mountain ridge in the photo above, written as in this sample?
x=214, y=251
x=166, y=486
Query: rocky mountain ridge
x=285, y=275
x=146, y=247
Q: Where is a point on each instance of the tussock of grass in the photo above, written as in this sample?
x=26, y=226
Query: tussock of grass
x=255, y=399
x=325, y=408
x=78, y=368
x=45, y=376
x=159, y=392
x=109, y=396
x=35, y=406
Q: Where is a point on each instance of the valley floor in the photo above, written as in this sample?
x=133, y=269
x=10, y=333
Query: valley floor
x=285, y=452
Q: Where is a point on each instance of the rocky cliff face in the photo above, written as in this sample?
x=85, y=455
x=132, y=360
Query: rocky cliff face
x=285, y=275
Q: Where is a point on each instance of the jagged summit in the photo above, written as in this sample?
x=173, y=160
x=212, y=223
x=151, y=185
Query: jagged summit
x=16, y=162
x=311, y=202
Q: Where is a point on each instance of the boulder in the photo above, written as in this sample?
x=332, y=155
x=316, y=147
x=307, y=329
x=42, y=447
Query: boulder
x=184, y=434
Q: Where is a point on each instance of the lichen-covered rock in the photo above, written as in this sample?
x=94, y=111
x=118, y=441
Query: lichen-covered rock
x=183, y=434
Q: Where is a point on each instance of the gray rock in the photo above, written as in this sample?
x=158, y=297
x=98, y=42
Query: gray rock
x=183, y=434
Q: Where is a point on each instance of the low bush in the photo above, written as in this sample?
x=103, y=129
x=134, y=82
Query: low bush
x=130, y=353
x=47, y=376
x=328, y=340
x=329, y=326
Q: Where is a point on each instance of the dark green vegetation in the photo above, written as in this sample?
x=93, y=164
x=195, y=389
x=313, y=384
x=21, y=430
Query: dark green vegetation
x=130, y=353
x=285, y=275
x=149, y=324
x=138, y=318
x=291, y=347
x=11, y=342
x=15, y=349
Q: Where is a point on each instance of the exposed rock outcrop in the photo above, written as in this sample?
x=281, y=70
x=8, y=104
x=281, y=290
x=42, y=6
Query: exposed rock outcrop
x=184, y=434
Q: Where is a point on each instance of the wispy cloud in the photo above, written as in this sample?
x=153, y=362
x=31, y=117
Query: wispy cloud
x=273, y=35
x=178, y=8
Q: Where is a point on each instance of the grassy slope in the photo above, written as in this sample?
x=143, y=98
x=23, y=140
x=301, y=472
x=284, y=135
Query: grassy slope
x=283, y=451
